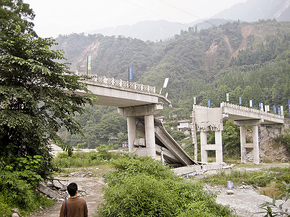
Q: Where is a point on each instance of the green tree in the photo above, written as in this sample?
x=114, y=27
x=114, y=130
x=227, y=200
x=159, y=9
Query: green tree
x=222, y=91
x=33, y=103
x=247, y=95
x=231, y=139
x=238, y=92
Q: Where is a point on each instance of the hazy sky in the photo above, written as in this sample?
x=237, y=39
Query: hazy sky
x=54, y=17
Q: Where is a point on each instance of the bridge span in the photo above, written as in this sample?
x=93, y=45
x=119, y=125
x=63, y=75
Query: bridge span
x=211, y=119
x=139, y=103
x=119, y=93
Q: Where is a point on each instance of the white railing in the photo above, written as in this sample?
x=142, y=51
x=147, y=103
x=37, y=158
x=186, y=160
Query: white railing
x=246, y=109
x=123, y=84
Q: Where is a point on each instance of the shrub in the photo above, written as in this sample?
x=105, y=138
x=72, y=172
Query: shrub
x=5, y=210
x=283, y=139
x=82, y=159
x=18, y=181
x=141, y=186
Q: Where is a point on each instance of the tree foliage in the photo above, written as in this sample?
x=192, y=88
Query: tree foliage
x=99, y=125
x=37, y=98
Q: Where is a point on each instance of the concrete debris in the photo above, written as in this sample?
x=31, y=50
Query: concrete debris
x=194, y=170
x=230, y=192
x=244, y=187
x=16, y=212
x=56, y=190
x=49, y=192
x=81, y=174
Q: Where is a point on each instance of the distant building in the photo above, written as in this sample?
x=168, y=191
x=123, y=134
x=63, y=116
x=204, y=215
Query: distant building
x=162, y=119
x=184, y=126
x=113, y=139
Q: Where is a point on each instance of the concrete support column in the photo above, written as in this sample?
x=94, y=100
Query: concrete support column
x=243, y=144
x=203, y=144
x=256, y=144
x=150, y=136
x=131, y=125
x=219, y=147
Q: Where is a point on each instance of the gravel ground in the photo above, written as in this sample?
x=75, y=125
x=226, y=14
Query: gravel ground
x=245, y=200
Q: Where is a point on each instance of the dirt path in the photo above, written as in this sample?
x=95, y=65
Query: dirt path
x=91, y=188
x=245, y=200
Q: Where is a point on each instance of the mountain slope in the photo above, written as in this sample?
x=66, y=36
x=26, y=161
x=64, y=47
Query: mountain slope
x=243, y=59
x=254, y=10
x=146, y=30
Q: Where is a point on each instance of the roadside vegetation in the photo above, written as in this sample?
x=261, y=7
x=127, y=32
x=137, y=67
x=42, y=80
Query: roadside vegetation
x=283, y=139
x=140, y=186
x=81, y=159
x=272, y=182
x=33, y=107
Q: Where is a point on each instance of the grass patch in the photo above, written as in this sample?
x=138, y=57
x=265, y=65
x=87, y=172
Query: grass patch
x=97, y=170
x=271, y=181
x=270, y=190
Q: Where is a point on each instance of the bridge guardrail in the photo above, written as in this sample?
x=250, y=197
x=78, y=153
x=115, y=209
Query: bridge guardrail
x=124, y=84
x=246, y=109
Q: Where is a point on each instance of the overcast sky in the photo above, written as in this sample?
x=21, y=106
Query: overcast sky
x=54, y=17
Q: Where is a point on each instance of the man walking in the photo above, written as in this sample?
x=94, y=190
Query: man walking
x=74, y=206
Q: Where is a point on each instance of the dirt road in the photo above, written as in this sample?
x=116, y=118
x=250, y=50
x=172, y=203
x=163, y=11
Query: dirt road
x=90, y=188
x=245, y=200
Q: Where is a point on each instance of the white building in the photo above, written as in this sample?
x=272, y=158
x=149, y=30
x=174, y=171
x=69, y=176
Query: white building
x=184, y=126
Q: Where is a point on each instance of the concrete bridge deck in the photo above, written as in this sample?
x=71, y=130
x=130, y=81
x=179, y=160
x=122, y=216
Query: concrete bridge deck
x=119, y=93
x=138, y=103
x=171, y=152
x=237, y=113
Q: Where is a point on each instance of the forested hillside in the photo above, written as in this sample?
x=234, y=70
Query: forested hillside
x=248, y=60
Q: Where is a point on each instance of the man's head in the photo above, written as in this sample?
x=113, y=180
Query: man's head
x=72, y=189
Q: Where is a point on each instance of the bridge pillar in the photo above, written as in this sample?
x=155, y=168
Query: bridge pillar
x=148, y=112
x=243, y=144
x=131, y=126
x=203, y=144
x=150, y=136
x=217, y=147
x=254, y=145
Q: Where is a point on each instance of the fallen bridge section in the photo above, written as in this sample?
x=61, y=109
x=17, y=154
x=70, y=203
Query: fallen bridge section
x=166, y=147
